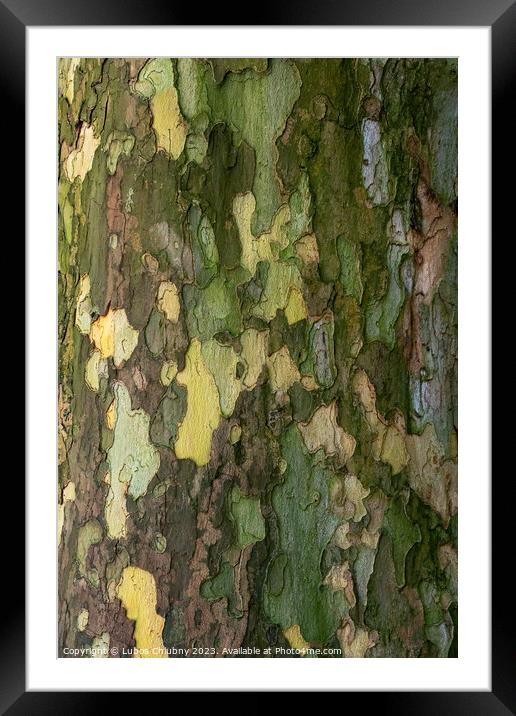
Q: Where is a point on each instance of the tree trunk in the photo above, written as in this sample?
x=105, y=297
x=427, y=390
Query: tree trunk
x=258, y=357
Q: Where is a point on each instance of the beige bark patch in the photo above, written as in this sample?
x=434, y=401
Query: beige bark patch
x=388, y=438
x=438, y=223
x=355, y=493
x=80, y=160
x=150, y=263
x=431, y=475
x=254, y=354
x=282, y=370
x=307, y=250
x=323, y=431
x=67, y=67
x=84, y=308
x=168, y=301
x=355, y=641
x=309, y=383
x=339, y=579
x=340, y=537
x=96, y=368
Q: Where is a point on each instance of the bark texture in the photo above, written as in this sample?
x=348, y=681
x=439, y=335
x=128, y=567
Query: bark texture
x=258, y=357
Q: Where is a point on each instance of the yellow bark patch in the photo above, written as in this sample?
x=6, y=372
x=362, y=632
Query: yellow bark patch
x=114, y=336
x=295, y=309
x=168, y=122
x=203, y=409
x=282, y=369
x=295, y=638
x=168, y=301
x=137, y=592
x=80, y=160
x=323, y=431
x=111, y=416
x=103, y=335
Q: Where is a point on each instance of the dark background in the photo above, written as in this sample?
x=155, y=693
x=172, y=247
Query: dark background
x=501, y=15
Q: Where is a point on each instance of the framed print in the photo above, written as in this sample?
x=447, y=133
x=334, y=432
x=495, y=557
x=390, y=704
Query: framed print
x=258, y=287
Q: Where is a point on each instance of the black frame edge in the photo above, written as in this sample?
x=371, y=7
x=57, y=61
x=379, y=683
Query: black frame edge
x=503, y=73
x=298, y=12
x=12, y=127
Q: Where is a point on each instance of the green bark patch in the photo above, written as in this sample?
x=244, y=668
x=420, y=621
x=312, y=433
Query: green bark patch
x=294, y=592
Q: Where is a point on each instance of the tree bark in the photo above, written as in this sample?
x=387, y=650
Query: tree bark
x=258, y=357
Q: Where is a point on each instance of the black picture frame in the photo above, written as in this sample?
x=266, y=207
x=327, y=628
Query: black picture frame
x=15, y=16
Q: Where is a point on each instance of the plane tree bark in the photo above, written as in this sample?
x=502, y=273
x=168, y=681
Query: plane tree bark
x=257, y=422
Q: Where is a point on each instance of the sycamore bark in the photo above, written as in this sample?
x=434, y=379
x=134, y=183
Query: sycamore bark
x=258, y=356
